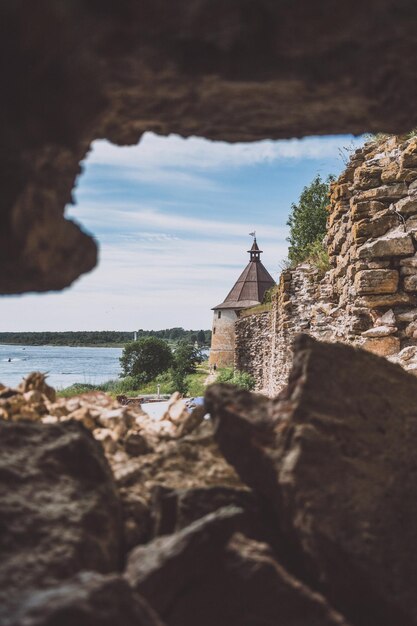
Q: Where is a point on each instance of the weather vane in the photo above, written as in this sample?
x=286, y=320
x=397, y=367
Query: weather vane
x=253, y=234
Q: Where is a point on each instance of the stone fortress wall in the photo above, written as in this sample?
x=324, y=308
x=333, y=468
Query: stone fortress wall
x=369, y=296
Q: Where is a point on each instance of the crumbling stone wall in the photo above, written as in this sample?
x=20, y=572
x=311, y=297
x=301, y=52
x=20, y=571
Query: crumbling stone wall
x=369, y=295
x=253, y=351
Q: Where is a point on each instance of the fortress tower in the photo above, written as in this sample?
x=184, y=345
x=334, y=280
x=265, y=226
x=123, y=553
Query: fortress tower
x=249, y=290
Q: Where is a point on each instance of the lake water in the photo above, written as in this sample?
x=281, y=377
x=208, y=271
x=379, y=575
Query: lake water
x=65, y=365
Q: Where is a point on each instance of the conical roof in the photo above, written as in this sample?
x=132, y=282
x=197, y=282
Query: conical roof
x=251, y=285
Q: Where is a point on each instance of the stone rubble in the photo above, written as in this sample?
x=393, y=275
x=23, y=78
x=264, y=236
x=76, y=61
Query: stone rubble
x=290, y=511
x=142, y=451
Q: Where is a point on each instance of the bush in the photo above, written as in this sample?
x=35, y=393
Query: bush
x=307, y=220
x=145, y=359
x=269, y=294
x=243, y=380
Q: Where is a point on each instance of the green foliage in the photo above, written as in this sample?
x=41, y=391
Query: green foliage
x=318, y=256
x=256, y=310
x=179, y=381
x=116, y=387
x=186, y=358
x=129, y=386
x=195, y=383
x=76, y=389
x=380, y=137
x=307, y=220
x=145, y=359
x=113, y=387
x=243, y=380
x=269, y=294
x=203, y=337
x=100, y=338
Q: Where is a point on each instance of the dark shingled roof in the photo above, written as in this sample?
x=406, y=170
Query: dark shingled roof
x=251, y=285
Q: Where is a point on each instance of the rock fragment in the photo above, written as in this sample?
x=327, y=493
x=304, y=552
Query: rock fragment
x=211, y=570
x=335, y=457
x=88, y=599
x=59, y=509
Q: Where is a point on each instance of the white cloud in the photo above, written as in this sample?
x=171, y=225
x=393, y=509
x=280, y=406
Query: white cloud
x=168, y=225
x=155, y=154
x=151, y=284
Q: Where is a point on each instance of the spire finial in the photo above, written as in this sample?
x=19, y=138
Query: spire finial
x=255, y=253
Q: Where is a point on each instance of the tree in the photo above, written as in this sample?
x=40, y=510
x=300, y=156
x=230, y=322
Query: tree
x=308, y=218
x=146, y=358
x=186, y=358
x=201, y=337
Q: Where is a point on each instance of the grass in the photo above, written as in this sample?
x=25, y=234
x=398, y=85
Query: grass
x=195, y=381
x=256, y=310
x=127, y=387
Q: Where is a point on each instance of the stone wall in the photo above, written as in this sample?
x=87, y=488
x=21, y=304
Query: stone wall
x=253, y=351
x=368, y=297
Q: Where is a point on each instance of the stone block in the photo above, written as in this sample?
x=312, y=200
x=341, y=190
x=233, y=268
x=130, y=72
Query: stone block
x=375, y=227
x=407, y=175
x=378, y=265
x=382, y=346
x=407, y=270
x=390, y=172
x=407, y=316
x=411, y=330
x=367, y=177
x=367, y=208
x=409, y=156
x=407, y=205
x=385, y=192
x=409, y=262
x=388, y=318
x=341, y=191
x=380, y=331
x=394, y=243
x=410, y=283
x=387, y=300
x=377, y=281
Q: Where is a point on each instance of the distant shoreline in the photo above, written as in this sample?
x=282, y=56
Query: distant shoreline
x=100, y=338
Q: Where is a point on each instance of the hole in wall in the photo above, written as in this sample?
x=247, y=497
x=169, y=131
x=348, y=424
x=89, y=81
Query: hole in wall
x=172, y=217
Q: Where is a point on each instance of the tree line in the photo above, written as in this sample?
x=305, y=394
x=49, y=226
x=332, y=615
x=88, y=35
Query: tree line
x=104, y=337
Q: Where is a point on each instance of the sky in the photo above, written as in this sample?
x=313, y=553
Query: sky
x=172, y=218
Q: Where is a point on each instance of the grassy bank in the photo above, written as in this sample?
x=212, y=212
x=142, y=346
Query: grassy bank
x=126, y=386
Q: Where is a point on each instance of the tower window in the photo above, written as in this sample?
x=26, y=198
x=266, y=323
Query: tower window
x=219, y=314
x=214, y=330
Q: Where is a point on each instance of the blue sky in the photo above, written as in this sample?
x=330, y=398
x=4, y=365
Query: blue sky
x=172, y=218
